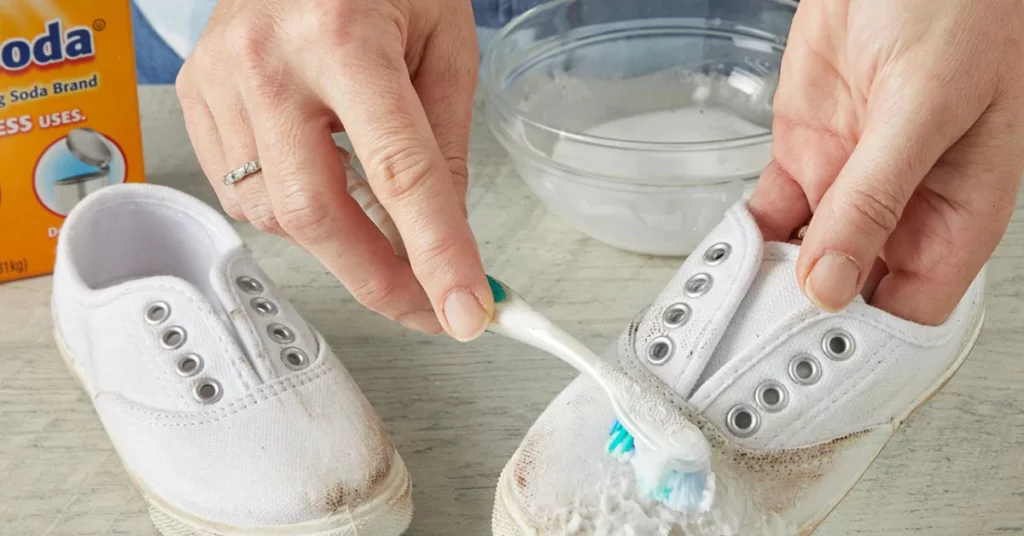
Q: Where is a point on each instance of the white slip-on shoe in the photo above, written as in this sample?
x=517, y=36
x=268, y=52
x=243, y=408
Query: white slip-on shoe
x=795, y=402
x=230, y=413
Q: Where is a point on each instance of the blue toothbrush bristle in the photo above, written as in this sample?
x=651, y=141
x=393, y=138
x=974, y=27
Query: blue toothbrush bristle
x=680, y=491
x=620, y=441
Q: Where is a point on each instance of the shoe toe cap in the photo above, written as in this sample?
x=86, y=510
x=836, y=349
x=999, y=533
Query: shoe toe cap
x=286, y=455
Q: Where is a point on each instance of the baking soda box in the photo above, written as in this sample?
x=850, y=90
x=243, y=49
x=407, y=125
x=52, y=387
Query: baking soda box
x=69, y=119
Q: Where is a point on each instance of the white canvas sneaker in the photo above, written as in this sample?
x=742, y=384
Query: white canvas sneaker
x=795, y=402
x=230, y=413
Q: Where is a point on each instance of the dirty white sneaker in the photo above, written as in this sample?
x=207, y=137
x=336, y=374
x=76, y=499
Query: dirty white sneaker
x=230, y=413
x=795, y=402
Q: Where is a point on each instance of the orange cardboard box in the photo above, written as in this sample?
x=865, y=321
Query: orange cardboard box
x=69, y=119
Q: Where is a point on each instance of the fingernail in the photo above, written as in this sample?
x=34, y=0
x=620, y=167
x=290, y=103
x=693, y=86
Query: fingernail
x=832, y=283
x=466, y=317
x=422, y=321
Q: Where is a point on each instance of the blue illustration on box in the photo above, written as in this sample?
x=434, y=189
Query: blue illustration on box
x=75, y=166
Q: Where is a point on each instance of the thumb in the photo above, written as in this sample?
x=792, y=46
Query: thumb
x=899, y=145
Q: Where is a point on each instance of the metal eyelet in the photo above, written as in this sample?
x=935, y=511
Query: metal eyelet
x=717, y=253
x=743, y=421
x=805, y=369
x=157, y=313
x=281, y=334
x=771, y=396
x=189, y=365
x=698, y=285
x=676, y=315
x=659, y=350
x=208, y=391
x=173, y=338
x=249, y=284
x=263, y=306
x=294, y=358
x=838, y=345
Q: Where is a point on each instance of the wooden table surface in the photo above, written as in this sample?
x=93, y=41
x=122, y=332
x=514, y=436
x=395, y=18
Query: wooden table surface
x=457, y=412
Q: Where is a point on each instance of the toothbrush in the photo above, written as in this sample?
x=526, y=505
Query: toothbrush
x=669, y=454
x=361, y=192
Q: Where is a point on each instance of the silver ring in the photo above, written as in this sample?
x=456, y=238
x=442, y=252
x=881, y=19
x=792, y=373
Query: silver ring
x=250, y=168
x=802, y=232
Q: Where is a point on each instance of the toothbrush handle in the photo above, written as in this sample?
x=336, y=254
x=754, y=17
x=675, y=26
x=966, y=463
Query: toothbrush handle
x=361, y=192
x=526, y=325
x=516, y=319
x=519, y=321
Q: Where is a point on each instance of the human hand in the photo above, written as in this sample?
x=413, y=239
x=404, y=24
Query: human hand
x=272, y=79
x=898, y=133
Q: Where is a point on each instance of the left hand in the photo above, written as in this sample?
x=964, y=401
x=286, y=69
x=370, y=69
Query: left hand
x=270, y=80
x=899, y=133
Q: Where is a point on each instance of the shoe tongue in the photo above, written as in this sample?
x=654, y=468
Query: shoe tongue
x=678, y=335
x=237, y=280
x=225, y=306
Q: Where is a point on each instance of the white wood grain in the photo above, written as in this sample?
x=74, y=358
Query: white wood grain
x=457, y=412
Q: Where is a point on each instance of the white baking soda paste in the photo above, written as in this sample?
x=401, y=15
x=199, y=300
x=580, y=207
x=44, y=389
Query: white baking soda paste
x=615, y=508
x=618, y=507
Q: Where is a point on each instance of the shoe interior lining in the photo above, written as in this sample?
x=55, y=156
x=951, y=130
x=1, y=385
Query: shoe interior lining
x=129, y=241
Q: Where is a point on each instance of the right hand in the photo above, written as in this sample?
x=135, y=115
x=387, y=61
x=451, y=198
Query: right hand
x=270, y=80
x=897, y=135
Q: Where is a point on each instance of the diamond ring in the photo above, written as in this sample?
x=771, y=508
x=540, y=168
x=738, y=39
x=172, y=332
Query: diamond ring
x=250, y=168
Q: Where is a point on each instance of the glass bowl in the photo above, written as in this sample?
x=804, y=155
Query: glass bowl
x=638, y=122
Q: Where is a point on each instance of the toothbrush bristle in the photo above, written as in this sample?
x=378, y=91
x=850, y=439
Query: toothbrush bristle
x=683, y=492
x=620, y=441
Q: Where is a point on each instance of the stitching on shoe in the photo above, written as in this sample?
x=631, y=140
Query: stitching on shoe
x=252, y=398
x=301, y=328
x=635, y=367
x=708, y=327
x=743, y=363
x=225, y=346
x=848, y=385
x=773, y=254
x=814, y=317
x=261, y=349
x=107, y=299
x=947, y=332
x=161, y=379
